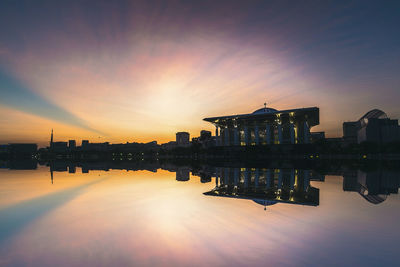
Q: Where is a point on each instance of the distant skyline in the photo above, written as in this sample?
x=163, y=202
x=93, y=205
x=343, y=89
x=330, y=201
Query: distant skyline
x=127, y=71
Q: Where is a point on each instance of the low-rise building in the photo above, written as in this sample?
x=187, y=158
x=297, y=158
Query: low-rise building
x=182, y=139
x=22, y=149
x=317, y=136
x=59, y=147
x=71, y=144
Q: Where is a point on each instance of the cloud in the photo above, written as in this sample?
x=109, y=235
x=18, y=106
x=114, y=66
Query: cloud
x=15, y=95
x=17, y=217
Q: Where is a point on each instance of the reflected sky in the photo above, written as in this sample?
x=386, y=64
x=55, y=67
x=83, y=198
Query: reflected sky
x=144, y=218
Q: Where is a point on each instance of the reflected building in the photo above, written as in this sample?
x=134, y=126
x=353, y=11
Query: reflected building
x=374, y=186
x=21, y=150
x=59, y=147
x=71, y=144
x=183, y=174
x=266, y=186
x=277, y=183
x=266, y=126
x=21, y=164
x=182, y=139
x=205, y=173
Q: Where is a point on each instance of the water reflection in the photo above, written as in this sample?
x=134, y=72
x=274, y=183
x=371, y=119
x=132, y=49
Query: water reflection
x=16, y=217
x=181, y=214
x=373, y=186
x=267, y=186
x=277, y=183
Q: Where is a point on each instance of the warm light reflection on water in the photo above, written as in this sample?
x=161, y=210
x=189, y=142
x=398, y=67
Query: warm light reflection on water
x=120, y=218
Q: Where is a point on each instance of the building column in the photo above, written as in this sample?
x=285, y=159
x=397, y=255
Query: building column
x=236, y=136
x=280, y=133
x=246, y=177
x=216, y=136
x=221, y=137
x=267, y=178
x=256, y=135
x=256, y=178
x=217, y=177
x=291, y=127
x=292, y=180
x=236, y=173
x=226, y=175
x=306, y=180
x=306, y=134
x=226, y=132
x=246, y=135
x=268, y=133
x=280, y=179
x=219, y=173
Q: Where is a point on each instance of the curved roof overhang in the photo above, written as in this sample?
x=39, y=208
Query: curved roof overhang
x=312, y=113
x=374, y=113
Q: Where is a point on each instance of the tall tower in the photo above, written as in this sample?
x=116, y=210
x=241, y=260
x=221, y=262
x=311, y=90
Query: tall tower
x=51, y=139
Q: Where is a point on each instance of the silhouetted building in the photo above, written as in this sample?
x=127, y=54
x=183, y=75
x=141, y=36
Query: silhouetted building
x=51, y=139
x=182, y=139
x=374, y=126
x=379, y=131
x=3, y=149
x=59, y=147
x=71, y=168
x=350, y=130
x=317, y=136
x=25, y=164
x=71, y=144
x=98, y=147
x=85, y=143
x=205, y=139
x=152, y=143
x=22, y=150
x=168, y=146
x=205, y=135
x=183, y=174
x=133, y=147
x=266, y=126
x=373, y=186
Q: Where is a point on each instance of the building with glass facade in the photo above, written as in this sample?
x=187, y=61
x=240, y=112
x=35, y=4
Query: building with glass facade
x=374, y=126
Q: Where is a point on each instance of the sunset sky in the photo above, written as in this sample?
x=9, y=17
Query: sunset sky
x=123, y=71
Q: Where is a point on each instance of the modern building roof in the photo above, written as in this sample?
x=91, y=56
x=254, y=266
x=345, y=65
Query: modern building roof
x=268, y=197
x=265, y=112
x=374, y=199
x=374, y=113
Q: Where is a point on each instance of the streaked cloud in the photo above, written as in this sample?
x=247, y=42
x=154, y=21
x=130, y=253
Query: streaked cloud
x=15, y=95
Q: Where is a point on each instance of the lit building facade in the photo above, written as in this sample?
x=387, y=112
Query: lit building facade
x=266, y=126
x=267, y=186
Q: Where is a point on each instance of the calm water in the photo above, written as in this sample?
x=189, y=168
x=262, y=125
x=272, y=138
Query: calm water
x=248, y=217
